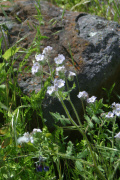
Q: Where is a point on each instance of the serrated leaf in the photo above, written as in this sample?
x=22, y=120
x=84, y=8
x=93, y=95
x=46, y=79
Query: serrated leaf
x=69, y=148
x=60, y=118
x=90, y=124
x=89, y=111
x=95, y=118
x=78, y=165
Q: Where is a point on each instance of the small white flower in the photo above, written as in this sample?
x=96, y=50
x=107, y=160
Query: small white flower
x=71, y=76
x=110, y=115
x=91, y=100
x=117, y=135
x=60, y=69
x=50, y=89
x=117, y=105
x=82, y=94
x=25, y=138
x=117, y=112
x=59, y=60
x=22, y=139
x=47, y=50
x=35, y=67
x=59, y=83
x=31, y=139
x=40, y=57
x=26, y=134
x=36, y=130
x=113, y=105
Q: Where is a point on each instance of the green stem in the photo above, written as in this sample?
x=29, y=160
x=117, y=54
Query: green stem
x=115, y=169
x=116, y=8
x=113, y=130
x=75, y=112
x=85, y=137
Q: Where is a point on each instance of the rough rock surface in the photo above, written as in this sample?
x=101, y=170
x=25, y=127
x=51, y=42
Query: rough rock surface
x=93, y=42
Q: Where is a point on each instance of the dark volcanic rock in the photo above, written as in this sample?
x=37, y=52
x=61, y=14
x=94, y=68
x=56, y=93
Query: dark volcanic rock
x=93, y=42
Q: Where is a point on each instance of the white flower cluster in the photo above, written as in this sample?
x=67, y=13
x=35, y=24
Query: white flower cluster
x=84, y=95
x=28, y=137
x=35, y=68
x=60, y=69
x=71, y=75
x=60, y=72
x=58, y=83
x=59, y=60
x=92, y=99
x=115, y=111
x=41, y=59
x=36, y=130
x=109, y=115
x=114, y=106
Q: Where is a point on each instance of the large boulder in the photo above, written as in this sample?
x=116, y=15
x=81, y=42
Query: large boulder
x=91, y=42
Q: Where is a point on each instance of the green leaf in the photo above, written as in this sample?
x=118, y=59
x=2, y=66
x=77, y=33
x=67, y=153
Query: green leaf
x=1, y=6
x=69, y=148
x=78, y=165
x=106, y=105
x=30, y=51
x=36, y=99
x=112, y=87
x=60, y=118
x=1, y=45
x=3, y=106
x=89, y=111
x=2, y=86
x=19, y=20
x=96, y=119
x=110, y=1
x=2, y=163
x=6, y=142
x=4, y=130
x=10, y=52
x=80, y=3
x=1, y=66
x=90, y=124
x=29, y=147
